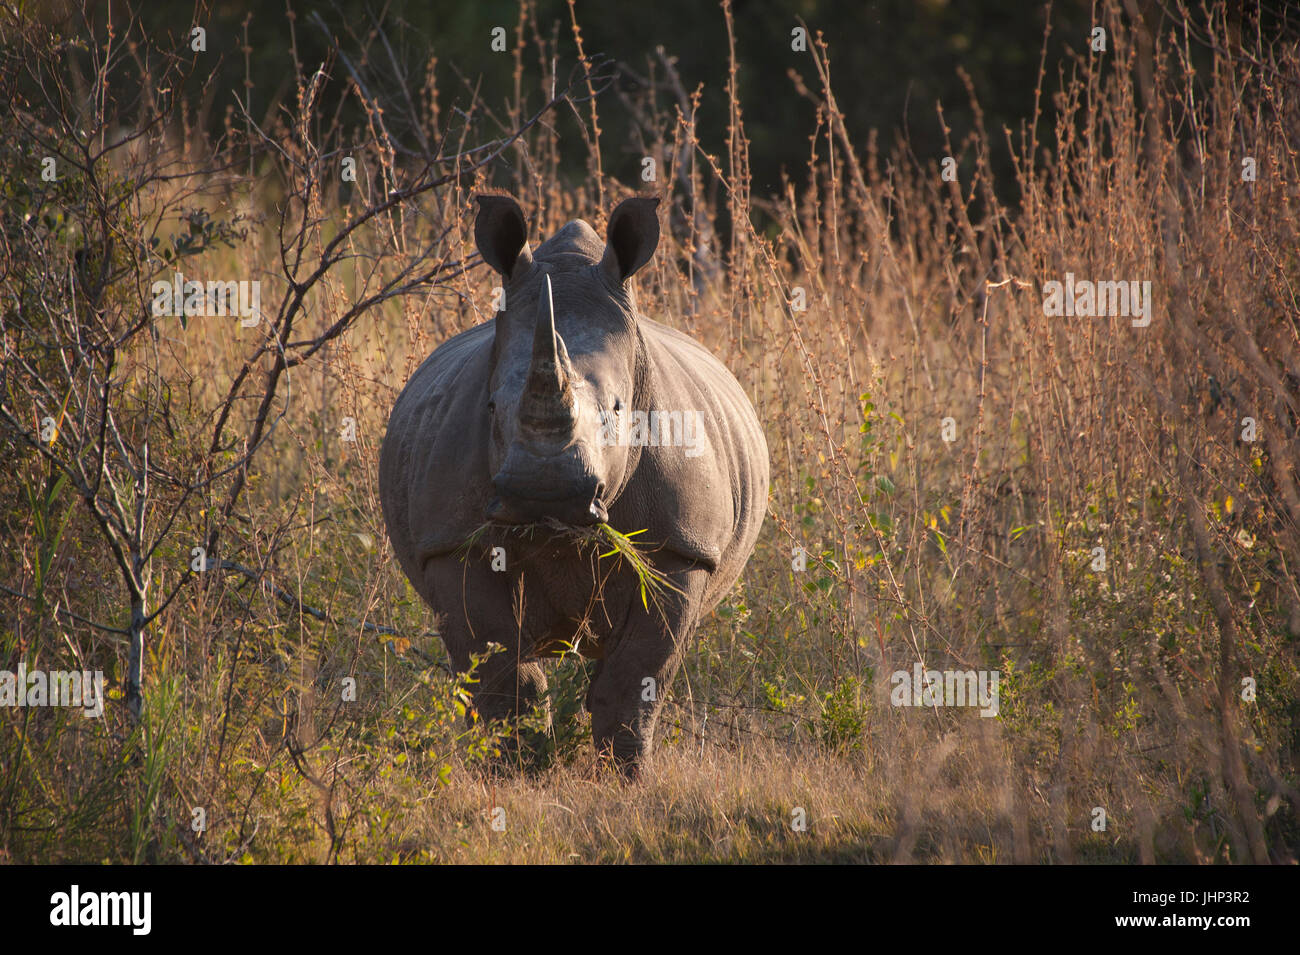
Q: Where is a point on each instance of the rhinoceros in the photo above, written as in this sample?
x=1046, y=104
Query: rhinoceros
x=520, y=438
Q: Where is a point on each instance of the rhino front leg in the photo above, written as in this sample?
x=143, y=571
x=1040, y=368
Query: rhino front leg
x=509, y=687
x=510, y=683
x=628, y=689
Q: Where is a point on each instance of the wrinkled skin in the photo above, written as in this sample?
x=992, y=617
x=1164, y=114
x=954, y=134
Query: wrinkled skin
x=502, y=423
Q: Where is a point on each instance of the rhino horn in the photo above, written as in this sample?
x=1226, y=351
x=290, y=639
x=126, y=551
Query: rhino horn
x=546, y=408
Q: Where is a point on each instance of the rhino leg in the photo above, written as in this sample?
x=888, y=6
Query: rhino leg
x=624, y=706
x=509, y=687
x=476, y=608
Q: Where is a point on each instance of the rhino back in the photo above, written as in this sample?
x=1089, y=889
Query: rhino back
x=433, y=464
x=708, y=507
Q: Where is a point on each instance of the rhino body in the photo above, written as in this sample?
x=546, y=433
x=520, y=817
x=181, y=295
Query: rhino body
x=529, y=423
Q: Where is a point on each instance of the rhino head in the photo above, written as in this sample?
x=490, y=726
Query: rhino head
x=566, y=355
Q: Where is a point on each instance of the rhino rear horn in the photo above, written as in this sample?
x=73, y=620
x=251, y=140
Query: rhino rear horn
x=547, y=403
x=631, y=238
x=501, y=234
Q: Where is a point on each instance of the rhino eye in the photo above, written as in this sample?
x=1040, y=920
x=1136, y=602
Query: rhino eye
x=492, y=407
x=618, y=405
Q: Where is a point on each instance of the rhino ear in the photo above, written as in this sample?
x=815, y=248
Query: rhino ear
x=501, y=234
x=631, y=238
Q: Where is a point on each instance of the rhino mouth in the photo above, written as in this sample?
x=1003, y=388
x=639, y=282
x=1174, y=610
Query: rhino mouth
x=517, y=503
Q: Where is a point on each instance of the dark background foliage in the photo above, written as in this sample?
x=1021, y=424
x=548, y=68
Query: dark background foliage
x=893, y=60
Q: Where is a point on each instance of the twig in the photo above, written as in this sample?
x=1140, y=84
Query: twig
x=297, y=604
x=68, y=613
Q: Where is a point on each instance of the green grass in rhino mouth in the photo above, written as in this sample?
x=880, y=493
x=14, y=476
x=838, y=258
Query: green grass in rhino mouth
x=653, y=582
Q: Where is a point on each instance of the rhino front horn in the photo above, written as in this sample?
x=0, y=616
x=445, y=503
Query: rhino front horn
x=546, y=407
